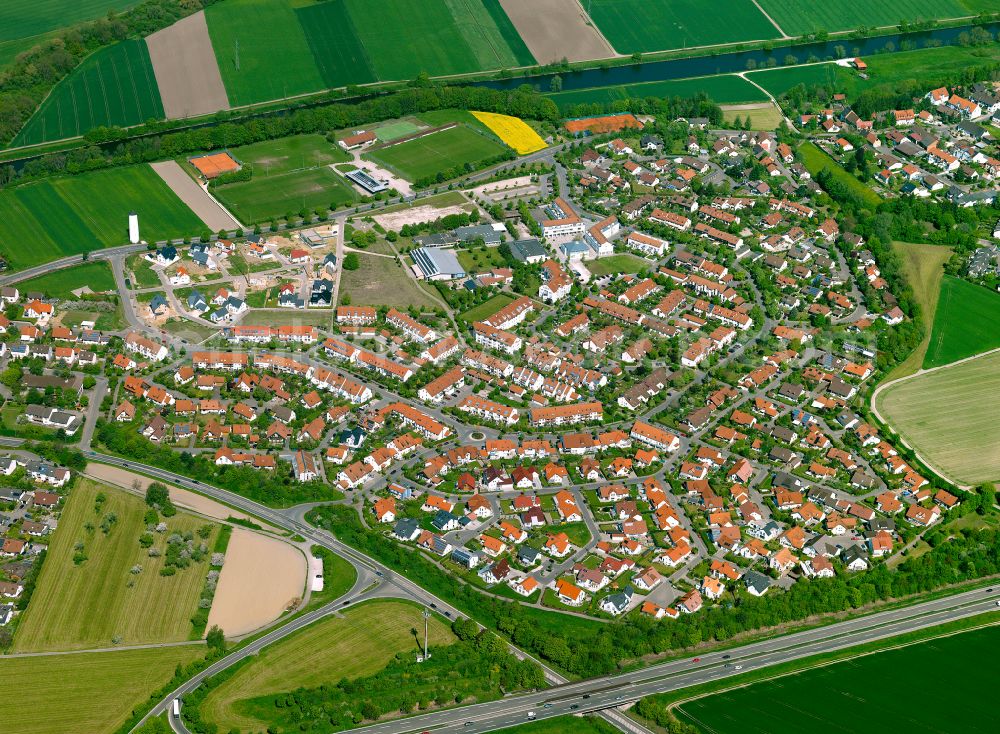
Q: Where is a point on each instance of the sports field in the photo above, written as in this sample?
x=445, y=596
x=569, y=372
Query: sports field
x=27, y=18
x=86, y=692
x=360, y=643
x=857, y=696
x=966, y=323
x=383, y=281
x=622, y=263
x=113, y=86
x=656, y=25
x=295, y=153
x=268, y=197
x=723, y=89
x=437, y=152
x=797, y=18
x=83, y=606
x=949, y=417
x=334, y=44
x=57, y=217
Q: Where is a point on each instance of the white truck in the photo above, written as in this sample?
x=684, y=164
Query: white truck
x=177, y=708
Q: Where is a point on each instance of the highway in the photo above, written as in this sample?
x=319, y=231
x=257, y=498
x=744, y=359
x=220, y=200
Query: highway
x=597, y=694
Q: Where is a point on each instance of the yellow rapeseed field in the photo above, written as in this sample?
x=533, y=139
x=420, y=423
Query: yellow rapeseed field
x=514, y=131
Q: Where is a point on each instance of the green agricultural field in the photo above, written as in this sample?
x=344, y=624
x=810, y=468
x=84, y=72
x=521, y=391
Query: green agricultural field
x=382, y=280
x=284, y=155
x=797, y=18
x=85, y=692
x=432, y=154
x=113, y=86
x=562, y=724
x=843, y=698
x=87, y=605
x=274, y=60
x=656, y=25
x=623, y=263
x=923, y=266
x=966, y=322
x=815, y=160
x=486, y=309
x=335, y=44
x=28, y=18
x=269, y=197
x=948, y=416
x=437, y=36
x=61, y=283
x=722, y=89
x=360, y=643
x=57, y=217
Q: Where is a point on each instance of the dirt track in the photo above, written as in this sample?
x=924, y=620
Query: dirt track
x=207, y=209
x=557, y=29
x=187, y=72
x=260, y=578
x=181, y=497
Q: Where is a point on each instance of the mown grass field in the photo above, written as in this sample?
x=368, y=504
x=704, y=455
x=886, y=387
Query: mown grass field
x=267, y=197
x=437, y=152
x=966, y=322
x=924, y=267
x=57, y=217
x=949, y=417
x=61, y=283
x=797, y=18
x=930, y=67
x=562, y=724
x=856, y=697
x=85, y=692
x=360, y=643
x=761, y=118
x=656, y=25
x=382, y=280
x=723, y=89
x=778, y=81
x=113, y=86
x=27, y=18
x=82, y=606
x=815, y=160
x=295, y=153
